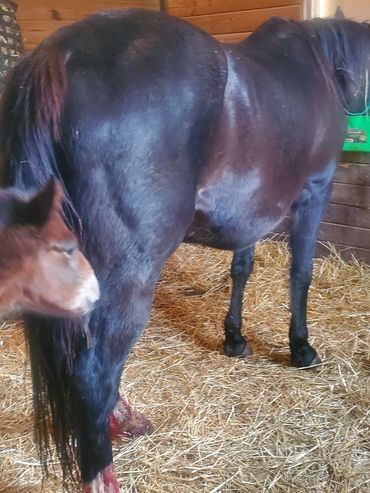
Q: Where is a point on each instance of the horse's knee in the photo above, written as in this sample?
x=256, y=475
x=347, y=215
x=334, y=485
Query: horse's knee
x=242, y=265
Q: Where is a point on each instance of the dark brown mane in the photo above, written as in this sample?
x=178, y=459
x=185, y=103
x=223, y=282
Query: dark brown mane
x=341, y=43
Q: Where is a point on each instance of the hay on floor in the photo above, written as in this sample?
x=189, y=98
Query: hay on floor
x=228, y=425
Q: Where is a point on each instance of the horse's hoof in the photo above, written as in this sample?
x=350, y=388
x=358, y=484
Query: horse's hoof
x=316, y=361
x=247, y=351
x=126, y=422
x=306, y=361
x=242, y=350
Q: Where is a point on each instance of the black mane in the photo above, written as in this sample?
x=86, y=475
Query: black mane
x=341, y=43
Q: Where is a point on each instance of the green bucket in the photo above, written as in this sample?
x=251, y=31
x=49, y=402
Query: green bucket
x=358, y=134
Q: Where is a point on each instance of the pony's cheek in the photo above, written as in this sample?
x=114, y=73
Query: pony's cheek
x=72, y=280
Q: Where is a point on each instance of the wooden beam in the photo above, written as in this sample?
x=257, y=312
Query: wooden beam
x=232, y=37
x=353, y=174
x=185, y=8
x=242, y=21
x=354, y=195
x=345, y=235
x=39, y=18
x=67, y=10
x=348, y=215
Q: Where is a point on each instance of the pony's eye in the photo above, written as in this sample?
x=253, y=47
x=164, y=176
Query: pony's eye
x=67, y=250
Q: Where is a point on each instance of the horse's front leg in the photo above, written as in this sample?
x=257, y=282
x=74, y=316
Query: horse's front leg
x=241, y=268
x=307, y=213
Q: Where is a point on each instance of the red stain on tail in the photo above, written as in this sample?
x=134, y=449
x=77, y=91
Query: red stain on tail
x=105, y=482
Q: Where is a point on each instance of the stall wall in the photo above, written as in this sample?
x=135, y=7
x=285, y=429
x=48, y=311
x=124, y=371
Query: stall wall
x=38, y=18
x=232, y=20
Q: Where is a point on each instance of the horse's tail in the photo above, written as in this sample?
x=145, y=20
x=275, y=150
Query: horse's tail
x=30, y=143
x=30, y=115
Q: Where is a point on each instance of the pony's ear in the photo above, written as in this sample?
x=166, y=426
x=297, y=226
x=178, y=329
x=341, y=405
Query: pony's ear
x=339, y=14
x=58, y=195
x=37, y=211
x=34, y=211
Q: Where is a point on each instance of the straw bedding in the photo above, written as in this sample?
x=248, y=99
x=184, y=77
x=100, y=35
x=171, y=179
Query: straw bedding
x=227, y=425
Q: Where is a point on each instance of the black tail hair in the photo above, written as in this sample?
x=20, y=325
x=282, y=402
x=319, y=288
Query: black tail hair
x=30, y=133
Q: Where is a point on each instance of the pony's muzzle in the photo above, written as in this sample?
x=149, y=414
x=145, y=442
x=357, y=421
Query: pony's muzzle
x=87, y=296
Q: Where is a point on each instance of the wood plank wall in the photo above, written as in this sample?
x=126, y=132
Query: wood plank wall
x=39, y=18
x=346, y=224
x=232, y=20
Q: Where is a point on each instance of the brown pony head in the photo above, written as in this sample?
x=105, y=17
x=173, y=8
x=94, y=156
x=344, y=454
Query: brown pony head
x=42, y=269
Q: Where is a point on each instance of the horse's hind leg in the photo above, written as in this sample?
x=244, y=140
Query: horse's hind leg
x=307, y=213
x=241, y=268
x=127, y=266
x=126, y=422
x=115, y=325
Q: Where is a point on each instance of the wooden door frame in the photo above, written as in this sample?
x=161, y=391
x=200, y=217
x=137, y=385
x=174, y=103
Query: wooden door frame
x=311, y=9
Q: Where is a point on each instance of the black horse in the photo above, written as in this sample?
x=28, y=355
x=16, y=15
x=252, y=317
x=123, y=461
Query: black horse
x=160, y=135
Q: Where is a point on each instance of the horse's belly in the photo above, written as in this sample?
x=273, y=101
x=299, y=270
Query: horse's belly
x=236, y=216
x=232, y=234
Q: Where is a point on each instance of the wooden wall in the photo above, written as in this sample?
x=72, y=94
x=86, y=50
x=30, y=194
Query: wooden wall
x=38, y=18
x=232, y=20
x=346, y=224
x=228, y=20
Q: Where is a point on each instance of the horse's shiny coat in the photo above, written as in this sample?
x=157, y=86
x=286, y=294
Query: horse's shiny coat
x=161, y=134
